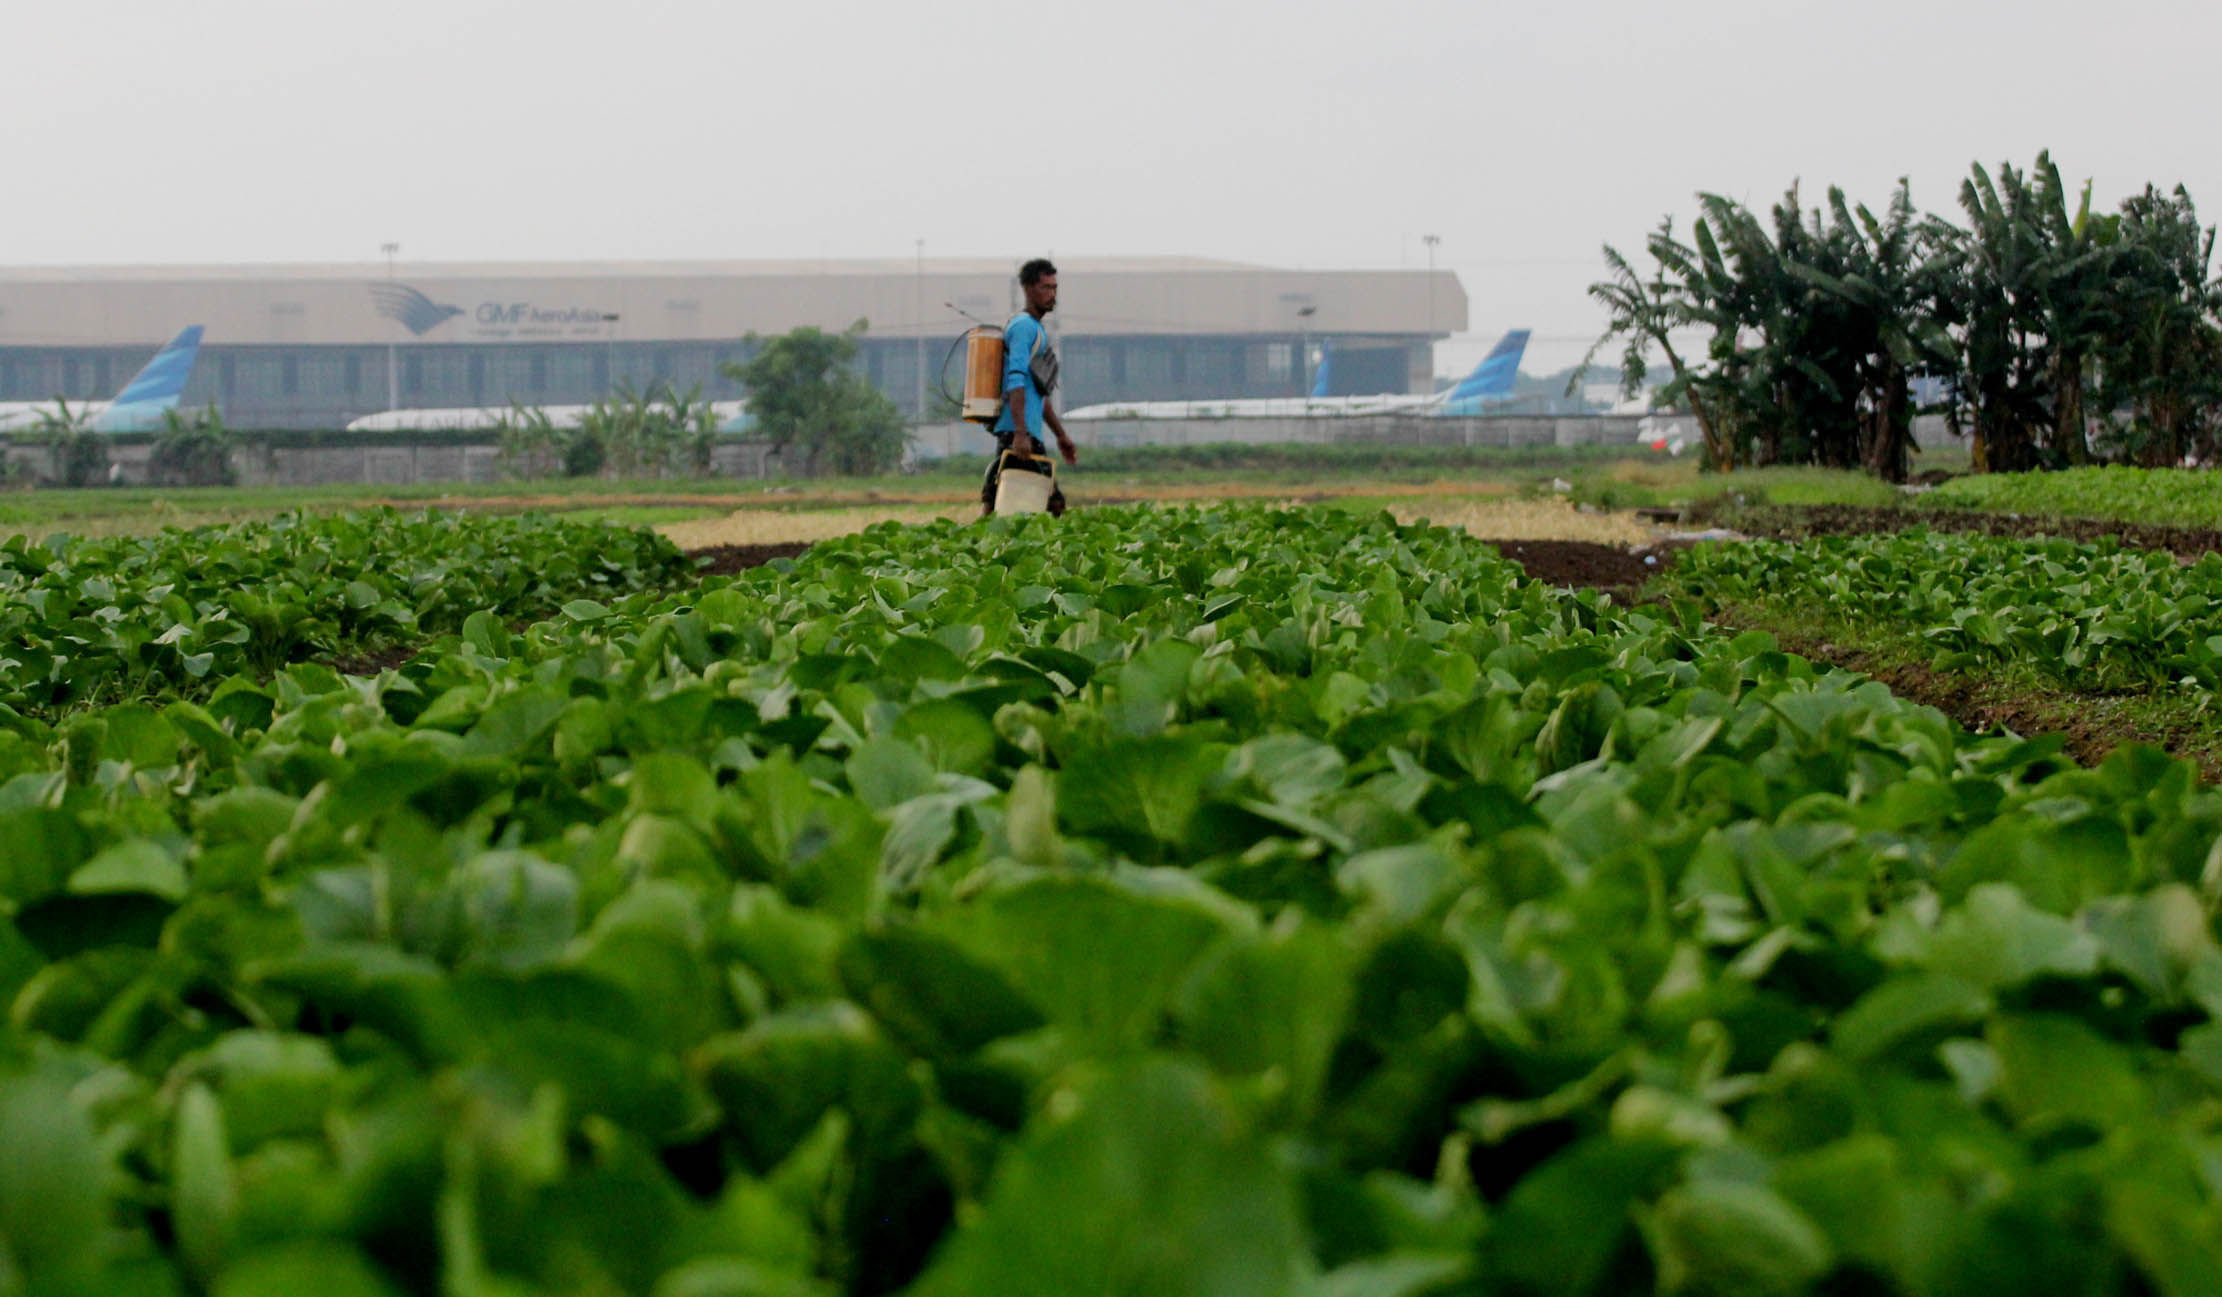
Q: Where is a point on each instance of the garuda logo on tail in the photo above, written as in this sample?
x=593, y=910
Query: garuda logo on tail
x=416, y=312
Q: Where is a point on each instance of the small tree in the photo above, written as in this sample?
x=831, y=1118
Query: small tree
x=530, y=444
x=79, y=455
x=193, y=450
x=1643, y=313
x=805, y=392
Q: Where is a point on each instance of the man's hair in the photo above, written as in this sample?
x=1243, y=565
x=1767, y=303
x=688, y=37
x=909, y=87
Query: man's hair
x=1031, y=273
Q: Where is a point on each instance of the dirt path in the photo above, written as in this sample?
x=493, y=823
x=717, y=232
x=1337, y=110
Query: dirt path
x=1522, y=519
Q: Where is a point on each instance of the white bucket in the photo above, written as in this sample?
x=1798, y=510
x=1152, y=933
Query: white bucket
x=1024, y=484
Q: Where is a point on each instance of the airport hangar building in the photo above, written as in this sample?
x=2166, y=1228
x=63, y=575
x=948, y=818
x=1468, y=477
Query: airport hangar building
x=313, y=346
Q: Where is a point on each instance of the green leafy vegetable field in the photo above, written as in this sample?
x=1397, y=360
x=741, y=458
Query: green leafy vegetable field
x=2165, y=496
x=2095, y=616
x=1153, y=902
x=130, y=616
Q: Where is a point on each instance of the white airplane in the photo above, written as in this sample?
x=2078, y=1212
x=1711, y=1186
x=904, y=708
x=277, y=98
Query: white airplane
x=137, y=408
x=732, y=416
x=1490, y=382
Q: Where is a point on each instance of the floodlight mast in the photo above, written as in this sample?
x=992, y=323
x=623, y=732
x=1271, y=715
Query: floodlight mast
x=393, y=380
x=1431, y=240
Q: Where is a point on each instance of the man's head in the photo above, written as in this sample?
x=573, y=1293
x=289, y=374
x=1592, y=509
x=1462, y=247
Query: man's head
x=1038, y=279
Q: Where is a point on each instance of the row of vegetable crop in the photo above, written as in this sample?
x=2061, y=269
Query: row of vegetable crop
x=1153, y=902
x=103, y=619
x=2167, y=496
x=2093, y=616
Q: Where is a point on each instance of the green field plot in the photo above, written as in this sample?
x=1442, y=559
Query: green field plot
x=2091, y=616
x=93, y=619
x=2164, y=496
x=1243, y=901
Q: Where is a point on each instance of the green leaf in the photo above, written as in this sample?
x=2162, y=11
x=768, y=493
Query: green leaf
x=136, y=866
x=1149, y=686
x=1907, y=1006
x=1141, y=1183
x=1565, y=1222
x=1400, y=883
x=952, y=734
x=885, y=771
x=325, y=1267
x=1725, y=1237
x=205, y=1199
x=514, y=723
x=1995, y=939
x=929, y=994
x=53, y=1182
x=672, y=783
x=777, y=1080
x=2054, y=1069
x=1094, y=956
x=1272, y=1005
x=1142, y=793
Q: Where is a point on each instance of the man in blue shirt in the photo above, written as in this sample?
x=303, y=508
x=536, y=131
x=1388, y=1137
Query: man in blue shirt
x=1029, y=376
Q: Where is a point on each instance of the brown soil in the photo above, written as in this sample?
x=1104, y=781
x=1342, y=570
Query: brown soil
x=371, y=663
x=1582, y=563
x=1785, y=522
x=724, y=560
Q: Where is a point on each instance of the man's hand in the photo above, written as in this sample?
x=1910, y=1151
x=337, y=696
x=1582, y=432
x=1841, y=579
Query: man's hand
x=1064, y=443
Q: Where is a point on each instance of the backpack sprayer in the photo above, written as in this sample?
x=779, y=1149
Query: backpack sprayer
x=1023, y=481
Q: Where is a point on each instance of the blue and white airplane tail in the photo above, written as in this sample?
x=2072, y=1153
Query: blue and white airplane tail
x=1492, y=379
x=152, y=390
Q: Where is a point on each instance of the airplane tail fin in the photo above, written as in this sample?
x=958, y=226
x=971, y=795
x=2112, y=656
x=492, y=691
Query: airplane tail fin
x=1326, y=362
x=1494, y=376
x=153, y=389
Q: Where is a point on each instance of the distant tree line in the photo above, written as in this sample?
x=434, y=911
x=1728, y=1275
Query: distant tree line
x=2044, y=332
x=806, y=398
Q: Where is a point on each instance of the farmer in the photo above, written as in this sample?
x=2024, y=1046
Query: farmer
x=1029, y=376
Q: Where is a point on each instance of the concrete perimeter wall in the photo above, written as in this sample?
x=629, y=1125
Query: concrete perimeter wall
x=1381, y=430
x=362, y=465
x=372, y=464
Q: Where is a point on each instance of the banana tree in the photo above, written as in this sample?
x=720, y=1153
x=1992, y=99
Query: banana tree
x=2163, y=359
x=77, y=454
x=1888, y=285
x=2076, y=297
x=1643, y=313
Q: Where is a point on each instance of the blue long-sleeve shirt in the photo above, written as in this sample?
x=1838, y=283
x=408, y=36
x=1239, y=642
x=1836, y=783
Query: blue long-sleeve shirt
x=1021, y=337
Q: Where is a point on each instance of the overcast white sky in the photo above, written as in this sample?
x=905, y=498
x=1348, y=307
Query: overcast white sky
x=1292, y=133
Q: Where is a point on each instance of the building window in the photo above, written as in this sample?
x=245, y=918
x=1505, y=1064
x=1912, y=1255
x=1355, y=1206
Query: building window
x=1280, y=362
x=353, y=381
x=412, y=374
x=537, y=379
x=478, y=376
x=69, y=376
x=289, y=376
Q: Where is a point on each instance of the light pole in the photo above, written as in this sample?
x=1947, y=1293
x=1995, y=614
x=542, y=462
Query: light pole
x=393, y=380
x=609, y=348
x=1431, y=240
x=1304, y=354
x=918, y=322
